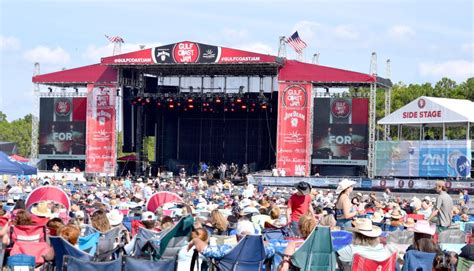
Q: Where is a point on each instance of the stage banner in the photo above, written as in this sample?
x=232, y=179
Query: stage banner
x=430, y=158
x=62, y=128
x=100, y=153
x=340, y=128
x=294, y=128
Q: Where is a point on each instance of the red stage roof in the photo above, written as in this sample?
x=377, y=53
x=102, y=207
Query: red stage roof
x=96, y=73
x=298, y=71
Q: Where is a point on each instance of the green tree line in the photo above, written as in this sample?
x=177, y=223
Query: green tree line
x=19, y=131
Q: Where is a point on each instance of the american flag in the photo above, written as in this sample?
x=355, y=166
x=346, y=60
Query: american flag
x=296, y=43
x=115, y=39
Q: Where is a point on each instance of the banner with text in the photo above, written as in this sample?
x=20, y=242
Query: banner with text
x=340, y=128
x=62, y=128
x=294, y=128
x=100, y=153
x=430, y=158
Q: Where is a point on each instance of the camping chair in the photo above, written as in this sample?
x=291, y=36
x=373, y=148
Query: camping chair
x=452, y=237
x=416, y=217
x=249, y=254
x=33, y=233
x=3, y=221
x=89, y=243
x=133, y=264
x=20, y=261
x=464, y=264
x=360, y=263
x=270, y=232
x=341, y=239
x=75, y=264
x=401, y=240
x=316, y=253
x=417, y=260
x=139, y=240
x=63, y=248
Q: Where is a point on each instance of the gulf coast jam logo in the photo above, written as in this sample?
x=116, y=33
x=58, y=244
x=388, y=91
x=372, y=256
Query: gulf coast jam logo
x=294, y=96
x=340, y=108
x=421, y=103
x=62, y=107
x=186, y=52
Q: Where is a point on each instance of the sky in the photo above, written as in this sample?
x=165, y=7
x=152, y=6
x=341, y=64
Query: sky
x=424, y=40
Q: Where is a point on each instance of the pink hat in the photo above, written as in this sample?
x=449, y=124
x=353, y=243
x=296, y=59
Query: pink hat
x=423, y=226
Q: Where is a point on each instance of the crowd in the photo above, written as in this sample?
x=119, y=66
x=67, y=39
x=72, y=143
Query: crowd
x=108, y=214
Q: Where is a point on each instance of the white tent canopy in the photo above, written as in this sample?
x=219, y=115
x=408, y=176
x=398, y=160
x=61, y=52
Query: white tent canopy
x=431, y=110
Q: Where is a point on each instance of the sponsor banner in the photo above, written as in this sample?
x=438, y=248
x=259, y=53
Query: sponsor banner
x=62, y=128
x=100, y=154
x=447, y=158
x=340, y=131
x=294, y=128
x=187, y=52
x=364, y=183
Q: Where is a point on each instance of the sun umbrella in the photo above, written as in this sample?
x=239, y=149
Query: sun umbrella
x=19, y=158
x=48, y=193
x=160, y=198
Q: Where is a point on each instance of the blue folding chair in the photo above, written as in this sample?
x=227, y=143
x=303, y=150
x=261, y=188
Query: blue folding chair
x=63, y=248
x=133, y=264
x=340, y=239
x=21, y=261
x=143, y=235
x=417, y=260
x=248, y=255
x=75, y=264
x=89, y=243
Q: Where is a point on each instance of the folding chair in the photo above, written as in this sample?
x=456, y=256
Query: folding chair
x=341, y=239
x=464, y=264
x=452, y=237
x=133, y=264
x=418, y=260
x=74, y=264
x=271, y=232
x=316, y=253
x=63, y=248
x=360, y=263
x=89, y=243
x=139, y=240
x=20, y=262
x=33, y=233
x=249, y=254
x=401, y=240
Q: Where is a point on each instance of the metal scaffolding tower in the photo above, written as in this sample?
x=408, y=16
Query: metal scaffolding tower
x=35, y=118
x=282, y=47
x=372, y=117
x=388, y=94
x=316, y=58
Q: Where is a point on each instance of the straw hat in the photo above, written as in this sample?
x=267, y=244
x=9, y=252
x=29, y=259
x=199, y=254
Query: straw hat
x=343, y=185
x=364, y=226
x=377, y=217
x=115, y=217
x=410, y=223
x=423, y=226
x=395, y=214
x=41, y=209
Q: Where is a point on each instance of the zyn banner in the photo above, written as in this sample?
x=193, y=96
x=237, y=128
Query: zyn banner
x=429, y=158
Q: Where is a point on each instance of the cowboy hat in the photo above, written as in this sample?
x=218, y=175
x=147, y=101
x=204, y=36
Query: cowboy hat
x=423, y=226
x=303, y=187
x=364, y=226
x=410, y=223
x=115, y=217
x=395, y=214
x=41, y=209
x=343, y=185
x=377, y=217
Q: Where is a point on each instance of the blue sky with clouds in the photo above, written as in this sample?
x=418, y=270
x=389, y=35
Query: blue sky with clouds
x=425, y=40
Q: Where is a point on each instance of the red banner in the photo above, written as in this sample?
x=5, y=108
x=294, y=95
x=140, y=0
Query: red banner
x=294, y=128
x=100, y=139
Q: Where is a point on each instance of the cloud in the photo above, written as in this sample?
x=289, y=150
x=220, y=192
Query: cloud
x=401, y=32
x=328, y=36
x=468, y=47
x=346, y=32
x=229, y=34
x=256, y=47
x=9, y=43
x=94, y=53
x=458, y=70
x=43, y=54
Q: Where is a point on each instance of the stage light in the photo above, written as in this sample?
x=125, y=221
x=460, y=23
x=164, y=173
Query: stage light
x=191, y=106
x=190, y=100
x=171, y=106
x=239, y=100
x=244, y=106
x=218, y=100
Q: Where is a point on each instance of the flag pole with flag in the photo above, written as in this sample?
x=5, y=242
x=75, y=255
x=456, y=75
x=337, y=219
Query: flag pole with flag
x=296, y=43
x=115, y=39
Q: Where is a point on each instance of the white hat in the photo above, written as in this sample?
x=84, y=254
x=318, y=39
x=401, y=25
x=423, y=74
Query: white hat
x=41, y=209
x=148, y=216
x=364, y=226
x=115, y=217
x=28, y=189
x=244, y=203
x=10, y=202
x=79, y=214
x=343, y=185
x=245, y=227
x=424, y=226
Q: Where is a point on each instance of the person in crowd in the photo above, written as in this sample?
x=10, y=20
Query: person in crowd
x=345, y=211
x=466, y=198
x=100, y=221
x=22, y=218
x=275, y=213
x=53, y=225
x=218, y=222
x=298, y=205
x=443, y=210
x=365, y=242
x=149, y=220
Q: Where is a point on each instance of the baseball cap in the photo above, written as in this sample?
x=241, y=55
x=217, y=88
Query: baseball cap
x=148, y=216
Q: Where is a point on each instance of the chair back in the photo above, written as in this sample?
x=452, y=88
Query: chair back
x=452, y=237
x=62, y=247
x=400, y=237
x=35, y=249
x=248, y=255
x=173, y=240
x=3, y=221
x=341, y=239
x=133, y=264
x=464, y=264
x=316, y=253
x=360, y=263
x=418, y=260
x=21, y=261
x=75, y=264
x=89, y=243
x=32, y=233
x=143, y=236
x=88, y=230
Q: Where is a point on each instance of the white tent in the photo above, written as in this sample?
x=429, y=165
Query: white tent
x=431, y=110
